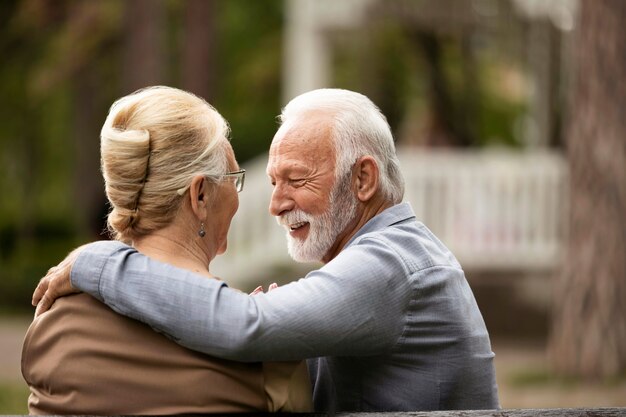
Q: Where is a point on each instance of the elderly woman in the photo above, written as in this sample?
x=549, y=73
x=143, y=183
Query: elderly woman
x=172, y=181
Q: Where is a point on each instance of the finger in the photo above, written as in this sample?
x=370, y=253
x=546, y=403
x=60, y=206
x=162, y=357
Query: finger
x=272, y=286
x=44, y=305
x=41, y=289
x=257, y=290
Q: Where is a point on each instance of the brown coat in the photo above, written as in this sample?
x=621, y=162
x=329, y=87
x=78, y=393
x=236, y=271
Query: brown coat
x=83, y=358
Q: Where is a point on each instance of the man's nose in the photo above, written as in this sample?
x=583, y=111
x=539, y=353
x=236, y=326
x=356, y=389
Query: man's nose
x=281, y=201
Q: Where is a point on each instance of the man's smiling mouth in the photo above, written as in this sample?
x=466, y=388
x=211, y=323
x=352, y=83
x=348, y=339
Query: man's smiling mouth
x=296, y=226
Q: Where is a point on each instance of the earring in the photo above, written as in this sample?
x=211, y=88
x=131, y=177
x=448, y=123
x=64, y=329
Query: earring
x=201, y=232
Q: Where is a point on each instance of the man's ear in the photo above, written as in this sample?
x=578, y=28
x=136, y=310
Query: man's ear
x=199, y=196
x=367, y=178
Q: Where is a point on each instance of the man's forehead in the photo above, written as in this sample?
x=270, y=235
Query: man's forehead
x=289, y=157
x=305, y=124
x=301, y=145
x=310, y=131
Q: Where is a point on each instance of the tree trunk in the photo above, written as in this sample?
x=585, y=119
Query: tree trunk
x=589, y=326
x=87, y=113
x=198, y=49
x=144, y=44
x=446, y=125
x=89, y=194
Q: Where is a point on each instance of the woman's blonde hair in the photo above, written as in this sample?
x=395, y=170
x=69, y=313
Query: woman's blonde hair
x=152, y=144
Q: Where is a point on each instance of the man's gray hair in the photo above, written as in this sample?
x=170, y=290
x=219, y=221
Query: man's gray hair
x=359, y=129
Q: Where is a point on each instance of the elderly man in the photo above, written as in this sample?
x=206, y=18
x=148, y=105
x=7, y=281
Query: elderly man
x=388, y=323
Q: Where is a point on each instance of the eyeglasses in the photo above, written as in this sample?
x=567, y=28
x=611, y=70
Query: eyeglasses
x=239, y=177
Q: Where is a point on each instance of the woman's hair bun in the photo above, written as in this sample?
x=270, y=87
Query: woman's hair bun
x=125, y=161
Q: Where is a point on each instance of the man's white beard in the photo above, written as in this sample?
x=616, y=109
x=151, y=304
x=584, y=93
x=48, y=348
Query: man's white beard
x=323, y=228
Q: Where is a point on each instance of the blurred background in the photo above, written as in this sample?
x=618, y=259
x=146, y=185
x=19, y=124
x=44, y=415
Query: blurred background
x=509, y=118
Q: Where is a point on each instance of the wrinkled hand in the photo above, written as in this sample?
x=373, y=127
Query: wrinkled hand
x=55, y=284
x=259, y=289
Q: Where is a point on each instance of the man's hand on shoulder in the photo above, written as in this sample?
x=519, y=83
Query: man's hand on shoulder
x=55, y=284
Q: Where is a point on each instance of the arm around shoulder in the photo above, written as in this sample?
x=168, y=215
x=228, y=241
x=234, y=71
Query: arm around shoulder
x=57, y=282
x=352, y=306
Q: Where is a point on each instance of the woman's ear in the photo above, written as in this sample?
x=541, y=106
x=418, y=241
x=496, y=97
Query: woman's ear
x=199, y=196
x=367, y=176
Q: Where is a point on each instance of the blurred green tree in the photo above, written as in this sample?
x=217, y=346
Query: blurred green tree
x=444, y=74
x=65, y=63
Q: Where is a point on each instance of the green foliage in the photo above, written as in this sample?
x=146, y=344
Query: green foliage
x=13, y=398
x=541, y=377
x=248, y=94
x=46, y=48
x=482, y=79
x=378, y=65
x=25, y=261
x=35, y=164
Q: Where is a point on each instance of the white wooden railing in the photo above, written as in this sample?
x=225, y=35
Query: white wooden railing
x=496, y=210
